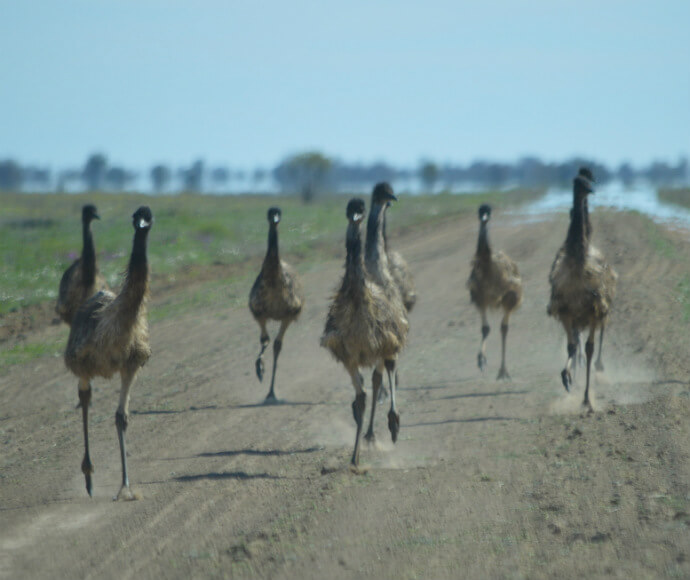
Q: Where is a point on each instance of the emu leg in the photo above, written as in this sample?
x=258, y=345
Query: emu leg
x=598, y=365
x=121, y=421
x=264, y=343
x=358, y=408
x=566, y=377
x=503, y=372
x=589, y=351
x=393, y=415
x=376, y=380
x=277, y=346
x=84, y=402
x=481, y=357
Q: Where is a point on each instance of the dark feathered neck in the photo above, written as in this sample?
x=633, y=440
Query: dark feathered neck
x=272, y=259
x=353, y=281
x=576, y=241
x=135, y=288
x=88, y=255
x=483, y=247
x=375, y=249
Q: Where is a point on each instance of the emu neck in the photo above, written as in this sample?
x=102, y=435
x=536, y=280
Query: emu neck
x=353, y=281
x=88, y=256
x=375, y=250
x=576, y=242
x=272, y=259
x=135, y=288
x=483, y=248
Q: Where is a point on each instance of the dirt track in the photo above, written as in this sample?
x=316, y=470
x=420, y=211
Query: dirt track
x=488, y=480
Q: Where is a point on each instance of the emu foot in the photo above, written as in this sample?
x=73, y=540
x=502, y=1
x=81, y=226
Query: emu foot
x=260, y=367
x=394, y=424
x=87, y=469
x=358, y=469
x=503, y=375
x=127, y=494
x=481, y=362
x=370, y=437
x=587, y=406
x=567, y=379
x=271, y=399
x=598, y=365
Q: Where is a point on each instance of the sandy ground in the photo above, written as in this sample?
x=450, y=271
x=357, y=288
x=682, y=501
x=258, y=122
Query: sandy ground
x=488, y=479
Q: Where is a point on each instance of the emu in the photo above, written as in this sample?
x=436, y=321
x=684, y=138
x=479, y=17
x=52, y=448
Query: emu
x=82, y=279
x=363, y=328
x=110, y=334
x=494, y=283
x=583, y=286
x=276, y=295
x=379, y=270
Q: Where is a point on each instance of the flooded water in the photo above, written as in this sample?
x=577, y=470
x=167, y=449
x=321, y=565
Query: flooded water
x=639, y=198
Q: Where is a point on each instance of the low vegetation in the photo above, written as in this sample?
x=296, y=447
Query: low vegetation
x=40, y=234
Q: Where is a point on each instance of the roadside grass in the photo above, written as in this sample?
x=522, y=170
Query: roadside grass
x=676, y=195
x=40, y=234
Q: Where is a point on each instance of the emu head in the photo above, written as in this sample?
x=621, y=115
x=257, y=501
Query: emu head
x=273, y=216
x=582, y=186
x=88, y=213
x=355, y=210
x=484, y=213
x=383, y=194
x=142, y=218
x=586, y=172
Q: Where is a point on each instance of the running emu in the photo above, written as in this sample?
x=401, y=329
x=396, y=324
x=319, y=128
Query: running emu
x=494, y=283
x=110, y=334
x=81, y=280
x=276, y=295
x=583, y=286
x=379, y=270
x=363, y=328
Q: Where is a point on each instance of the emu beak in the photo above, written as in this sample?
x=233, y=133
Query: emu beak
x=276, y=219
x=393, y=197
x=143, y=223
x=357, y=217
x=96, y=216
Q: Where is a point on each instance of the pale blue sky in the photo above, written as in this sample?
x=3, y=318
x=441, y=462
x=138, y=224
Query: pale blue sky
x=246, y=82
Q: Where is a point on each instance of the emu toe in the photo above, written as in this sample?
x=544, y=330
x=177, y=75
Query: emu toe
x=503, y=375
x=370, y=437
x=481, y=362
x=567, y=379
x=271, y=399
x=260, y=368
x=393, y=424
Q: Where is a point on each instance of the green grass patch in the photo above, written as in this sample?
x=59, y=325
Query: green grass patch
x=40, y=234
x=676, y=195
x=684, y=296
x=27, y=351
x=660, y=242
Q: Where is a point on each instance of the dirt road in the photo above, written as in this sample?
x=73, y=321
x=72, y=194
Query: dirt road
x=487, y=480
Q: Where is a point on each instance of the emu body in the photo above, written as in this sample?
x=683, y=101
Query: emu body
x=494, y=283
x=275, y=295
x=109, y=334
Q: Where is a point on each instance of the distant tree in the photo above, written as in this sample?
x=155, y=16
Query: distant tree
x=11, y=175
x=258, y=175
x=118, y=178
x=626, y=174
x=37, y=177
x=94, y=171
x=160, y=177
x=193, y=177
x=307, y=173
x=220, y=176
x=428, y=173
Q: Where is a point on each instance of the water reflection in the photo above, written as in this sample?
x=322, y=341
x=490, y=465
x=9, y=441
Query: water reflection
x=642, y=198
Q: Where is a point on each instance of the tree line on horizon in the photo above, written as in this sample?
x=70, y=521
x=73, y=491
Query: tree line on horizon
x=312, y=173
